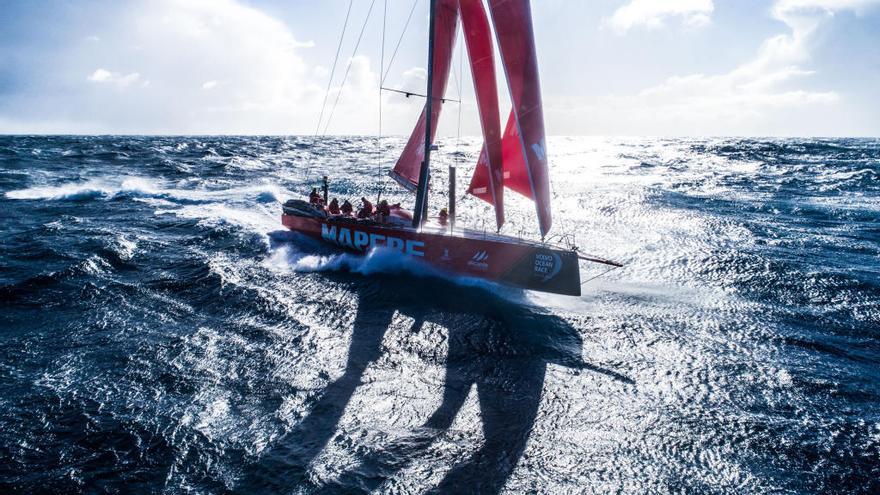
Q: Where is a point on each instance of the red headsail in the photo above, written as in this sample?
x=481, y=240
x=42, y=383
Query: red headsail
x=516, y=177
x=478, y=37
x=406, y=171
x=516, y=41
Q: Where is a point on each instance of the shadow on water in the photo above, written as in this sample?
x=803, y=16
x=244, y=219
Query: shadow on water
x=500, y=348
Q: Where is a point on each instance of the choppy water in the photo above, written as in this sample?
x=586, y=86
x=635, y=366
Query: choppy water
x=160, y=333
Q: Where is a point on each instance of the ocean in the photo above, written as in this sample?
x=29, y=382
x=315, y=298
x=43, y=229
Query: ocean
x=160, y=332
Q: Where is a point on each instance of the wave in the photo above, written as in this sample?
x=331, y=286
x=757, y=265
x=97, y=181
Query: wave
x=258, y=221
x=287, y=258
x=144, y=290
x=379, y=260
x=35, y=288
x=93, y=189
x=138, y=187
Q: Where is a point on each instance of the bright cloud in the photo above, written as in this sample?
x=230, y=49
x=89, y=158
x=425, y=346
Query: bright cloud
x=783, y=7
x=216, y=66
x=122, y=81
x=653, y=13
x=747, y=97
x=101, y=75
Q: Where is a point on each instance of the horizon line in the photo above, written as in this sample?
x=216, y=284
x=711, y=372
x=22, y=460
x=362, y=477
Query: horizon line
x=608, y=136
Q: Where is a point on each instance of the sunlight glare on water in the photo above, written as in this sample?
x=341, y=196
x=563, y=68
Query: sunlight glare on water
x=162, y=332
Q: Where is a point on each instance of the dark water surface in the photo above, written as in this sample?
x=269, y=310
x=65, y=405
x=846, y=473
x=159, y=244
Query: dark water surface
x=159, y=332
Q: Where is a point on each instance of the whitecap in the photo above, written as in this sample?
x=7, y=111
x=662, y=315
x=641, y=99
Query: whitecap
x=93, y=189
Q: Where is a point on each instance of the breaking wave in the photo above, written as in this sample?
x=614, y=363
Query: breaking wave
x=136, y=187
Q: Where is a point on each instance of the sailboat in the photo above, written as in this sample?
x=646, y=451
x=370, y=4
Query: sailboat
x=515, y=159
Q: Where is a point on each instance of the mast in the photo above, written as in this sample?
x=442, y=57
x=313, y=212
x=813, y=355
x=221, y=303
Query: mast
x=422, y=193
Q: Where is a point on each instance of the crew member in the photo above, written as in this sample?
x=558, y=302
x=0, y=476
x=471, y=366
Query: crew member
x=314, y=197
x=366, y=210
x=346, y=208
x=333, y=207
x=383, y=211
x=443, y=217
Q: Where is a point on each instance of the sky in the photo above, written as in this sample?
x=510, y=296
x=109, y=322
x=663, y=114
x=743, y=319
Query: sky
x=608, y=67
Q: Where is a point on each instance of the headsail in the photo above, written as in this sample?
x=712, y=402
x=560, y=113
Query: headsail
x=516, y=41
x=406, y=171
x=514, y=173
x=478, y=38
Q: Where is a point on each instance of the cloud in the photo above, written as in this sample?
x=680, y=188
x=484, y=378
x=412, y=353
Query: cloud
x=214, y=66
x=304, y=44
x=224, y=66
x=748, y=99
x=653, y=13
x=415, y=73
x=101, y=75
x=803, y=17
x=122, y=81
x=784, y=7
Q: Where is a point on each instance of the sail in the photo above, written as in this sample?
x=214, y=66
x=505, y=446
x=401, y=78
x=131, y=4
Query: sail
x=478, y=38
x=514, y=173
x=516, y=42
x=406, y=171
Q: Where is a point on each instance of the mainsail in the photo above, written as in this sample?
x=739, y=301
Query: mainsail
x=406, y=171
x=516, y=42
x=478, y=38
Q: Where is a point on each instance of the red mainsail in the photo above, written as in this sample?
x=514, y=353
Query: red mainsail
x=478, y=38
x=406, y=171
x=516, y=42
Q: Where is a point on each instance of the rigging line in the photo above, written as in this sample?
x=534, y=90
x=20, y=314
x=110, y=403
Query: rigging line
x=456, y=78
x=599, y=275
x=333, y=70
x=382, y=61
x=458, y=130
x=393, y=55
x=348, y=68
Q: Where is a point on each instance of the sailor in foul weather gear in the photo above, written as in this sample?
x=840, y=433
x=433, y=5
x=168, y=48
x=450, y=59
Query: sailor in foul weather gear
x=366, y=210
x=315, y=197
x=443, y=217
x=346, y=208
x=383, y=211
x=333, y=207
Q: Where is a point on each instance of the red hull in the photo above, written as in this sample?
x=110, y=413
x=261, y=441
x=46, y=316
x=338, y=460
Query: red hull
x=499, y=259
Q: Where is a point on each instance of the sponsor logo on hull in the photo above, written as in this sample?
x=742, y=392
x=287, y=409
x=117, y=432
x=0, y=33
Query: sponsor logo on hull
x=547, y=265
x=364, y=241
x=479, y=260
